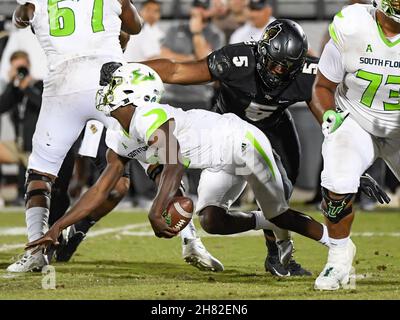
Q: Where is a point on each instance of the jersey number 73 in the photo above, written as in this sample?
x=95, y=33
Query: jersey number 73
x=375, y=82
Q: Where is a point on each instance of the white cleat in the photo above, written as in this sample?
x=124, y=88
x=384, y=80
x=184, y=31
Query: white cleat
x=29, y=262
x=337, y=270
x=195, y=254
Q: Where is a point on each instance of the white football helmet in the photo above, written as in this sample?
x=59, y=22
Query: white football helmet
x=391, y=8
x=130, y=83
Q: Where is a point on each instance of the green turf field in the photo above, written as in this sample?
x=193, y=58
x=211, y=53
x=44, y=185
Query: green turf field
x=122, y=260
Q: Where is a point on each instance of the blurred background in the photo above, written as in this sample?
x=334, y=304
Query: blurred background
x=167, y=33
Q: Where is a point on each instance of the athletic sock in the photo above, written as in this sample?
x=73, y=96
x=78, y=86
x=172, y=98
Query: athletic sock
x=336, y=243
x=263, y=223
x=188, y=233
x=271, y=244
x=325, y=240
x=36, y=222
x=84, y=225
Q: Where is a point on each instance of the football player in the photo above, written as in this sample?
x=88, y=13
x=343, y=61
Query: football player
x=356, y=99
x=154, y=133
x=76, y=47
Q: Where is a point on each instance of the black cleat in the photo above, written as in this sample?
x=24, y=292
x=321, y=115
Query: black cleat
x=296, y=269
x=273, y=265
x=67, y=248
x=51, y=250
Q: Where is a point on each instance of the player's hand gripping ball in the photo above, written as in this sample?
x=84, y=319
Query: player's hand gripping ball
x=179, y=212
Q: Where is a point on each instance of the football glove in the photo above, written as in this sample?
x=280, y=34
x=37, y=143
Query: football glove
x=332, y=120
x=372, y=189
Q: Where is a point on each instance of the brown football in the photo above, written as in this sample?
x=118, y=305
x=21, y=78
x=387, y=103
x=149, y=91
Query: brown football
x=179, y=212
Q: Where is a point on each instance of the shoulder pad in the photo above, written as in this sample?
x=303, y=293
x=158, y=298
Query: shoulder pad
x=347, y=23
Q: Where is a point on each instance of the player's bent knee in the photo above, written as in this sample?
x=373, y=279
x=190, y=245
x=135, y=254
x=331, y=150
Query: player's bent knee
x=38, y=186
x=211, y=219
x=336, y=207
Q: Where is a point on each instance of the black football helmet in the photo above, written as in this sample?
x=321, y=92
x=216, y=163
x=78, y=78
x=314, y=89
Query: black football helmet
x=281, y=53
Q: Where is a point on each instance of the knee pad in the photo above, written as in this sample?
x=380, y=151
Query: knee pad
x=34, y=176
x=336, y=209
x=210, y=219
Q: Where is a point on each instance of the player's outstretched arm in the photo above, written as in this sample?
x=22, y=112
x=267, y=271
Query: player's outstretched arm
x=194, y=72
x=132, y=22
x=90, y=200
x=23, y=15
x=170, y=178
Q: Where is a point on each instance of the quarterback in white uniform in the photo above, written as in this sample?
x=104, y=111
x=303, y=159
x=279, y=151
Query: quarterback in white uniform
x=356, y=98
x=77, y=37
x=160, y=134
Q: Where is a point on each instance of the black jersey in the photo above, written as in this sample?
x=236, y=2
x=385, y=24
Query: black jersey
x=242, y=91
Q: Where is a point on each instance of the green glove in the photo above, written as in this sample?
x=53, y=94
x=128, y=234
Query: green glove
x=332, y=121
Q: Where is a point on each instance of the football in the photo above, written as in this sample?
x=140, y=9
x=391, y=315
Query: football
x=179, y=212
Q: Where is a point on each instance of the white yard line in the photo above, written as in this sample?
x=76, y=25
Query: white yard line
x=101, y=232
x=93, y=234
x=14, y=231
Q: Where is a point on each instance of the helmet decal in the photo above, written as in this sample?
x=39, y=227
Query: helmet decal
x=272, y=33
x=138, y=77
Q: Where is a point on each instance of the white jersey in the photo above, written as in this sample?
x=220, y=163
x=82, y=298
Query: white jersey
x=205, y=138
x=77, y=37
x=371, y=84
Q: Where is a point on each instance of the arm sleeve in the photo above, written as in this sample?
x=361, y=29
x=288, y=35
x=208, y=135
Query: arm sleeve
x=331, y=63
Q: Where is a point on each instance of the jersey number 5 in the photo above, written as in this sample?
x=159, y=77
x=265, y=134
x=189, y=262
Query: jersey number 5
x=62, y=20
x=375, y=81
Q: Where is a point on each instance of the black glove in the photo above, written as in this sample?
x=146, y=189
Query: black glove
x=372, y=189
x=107, y=71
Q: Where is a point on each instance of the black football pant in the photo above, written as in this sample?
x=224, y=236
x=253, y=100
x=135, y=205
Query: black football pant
x=285, y=141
